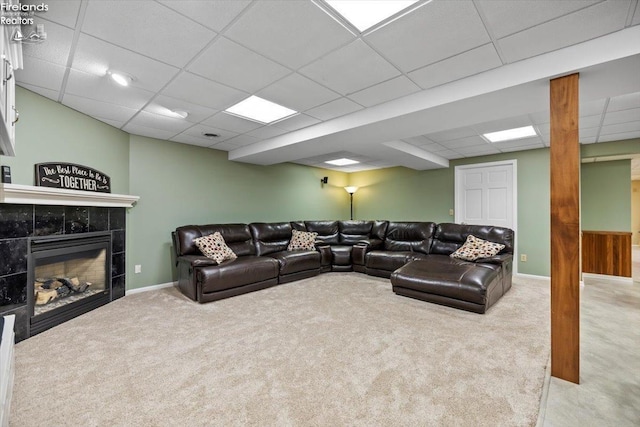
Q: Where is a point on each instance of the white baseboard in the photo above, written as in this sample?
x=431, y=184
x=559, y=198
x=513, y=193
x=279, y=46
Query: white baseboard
x=607, y=278
x=150, y=288
x=531, y=276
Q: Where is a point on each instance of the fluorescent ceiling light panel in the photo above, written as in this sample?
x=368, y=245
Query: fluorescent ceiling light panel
x=364, y=14
x=260, y=110
x=510, y=134
x=342, y=162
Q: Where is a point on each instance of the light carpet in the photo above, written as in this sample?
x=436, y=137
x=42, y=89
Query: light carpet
x=337, y=349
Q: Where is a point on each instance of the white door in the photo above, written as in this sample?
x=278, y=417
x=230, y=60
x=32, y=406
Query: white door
x=485, y=194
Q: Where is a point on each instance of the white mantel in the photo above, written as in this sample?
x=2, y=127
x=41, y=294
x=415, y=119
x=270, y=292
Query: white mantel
x=33, y=195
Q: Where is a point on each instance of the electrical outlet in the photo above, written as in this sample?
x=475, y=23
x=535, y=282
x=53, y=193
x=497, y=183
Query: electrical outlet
x=523, y=257
x=450, y=212
x=137, y=269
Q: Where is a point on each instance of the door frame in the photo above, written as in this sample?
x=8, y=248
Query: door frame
x=514, y=176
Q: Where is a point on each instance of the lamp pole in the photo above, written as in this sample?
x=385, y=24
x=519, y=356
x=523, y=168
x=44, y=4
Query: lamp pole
x=351, y=190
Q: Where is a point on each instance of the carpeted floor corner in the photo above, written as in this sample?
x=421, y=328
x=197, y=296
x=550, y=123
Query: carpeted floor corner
x=337, y=349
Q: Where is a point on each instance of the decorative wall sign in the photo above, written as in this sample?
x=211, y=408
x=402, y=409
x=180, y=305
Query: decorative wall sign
x=72, y=176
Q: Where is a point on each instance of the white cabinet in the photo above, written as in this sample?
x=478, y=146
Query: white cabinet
x=10, y=60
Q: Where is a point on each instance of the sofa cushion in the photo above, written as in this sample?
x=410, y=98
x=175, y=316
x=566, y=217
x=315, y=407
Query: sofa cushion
x=236, y=236
x=387, y=260
x=214, y=247
x=352, y=232
x=409, y=236
x=296, y=261
x=341, y=254
x=449, y=237
x=270, y=237
x=302, y=241
x=327, y=231
x=475, y=248
x=238, y=272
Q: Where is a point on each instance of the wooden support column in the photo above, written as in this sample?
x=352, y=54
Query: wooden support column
x=565, y=229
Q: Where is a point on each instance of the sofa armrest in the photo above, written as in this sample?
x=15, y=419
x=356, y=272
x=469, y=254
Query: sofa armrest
x=325, y=253
x=359, y=252
x=196, y=260
x=497, y=259
x=372, y=244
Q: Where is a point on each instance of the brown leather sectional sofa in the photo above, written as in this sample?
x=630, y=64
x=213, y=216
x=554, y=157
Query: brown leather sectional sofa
x=414, y=255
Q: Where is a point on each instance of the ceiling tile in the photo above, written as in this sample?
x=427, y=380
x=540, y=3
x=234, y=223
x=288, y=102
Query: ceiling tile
x=592, y=108
x=386, y=91
x=478, y=150
x=540, y=117
x=636, y=16
x=266, y=132
x=41, y=73
x=113, y=123
x=100, y=109
x=47, y=93
x=516, y=143
x=102, y=88
x=296, y=122
x=163, y=105
x=430, y=34
x=212, y=14
x=522, y=148
x=471, y=141
x=149, y=132
x=63, y=12
x=224, y=146
x=232, y=123
x=95, y=56
x=586, y=24
x=448, y=154
x=624, y=102
x=157, y=121
x=463, y=65
x=231, y=64
x=506, y=17
x=191, y=88
x=298, y=93
x=590, y=121
x=620, y=128
x=619, y=136
x=195, y=136
x=588, y=133
x=333, y=109
x=451, y=134
x=242, y=140
x=56, y=47
x=503, y=124
x=350, y=69
x=588, y=140
x=137, y=29
x=293, y=33
x=622, y=116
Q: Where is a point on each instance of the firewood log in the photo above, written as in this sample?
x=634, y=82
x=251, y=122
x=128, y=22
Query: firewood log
x=45, y=296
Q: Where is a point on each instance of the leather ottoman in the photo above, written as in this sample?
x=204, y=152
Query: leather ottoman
x=468, y=286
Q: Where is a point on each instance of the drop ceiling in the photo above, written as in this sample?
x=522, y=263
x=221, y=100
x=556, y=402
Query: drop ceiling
x=416, y=92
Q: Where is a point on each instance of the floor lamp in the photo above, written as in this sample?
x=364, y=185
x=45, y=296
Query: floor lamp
x=351, y=190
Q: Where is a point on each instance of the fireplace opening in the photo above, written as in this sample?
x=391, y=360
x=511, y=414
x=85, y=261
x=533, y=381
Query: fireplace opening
x=67, y=276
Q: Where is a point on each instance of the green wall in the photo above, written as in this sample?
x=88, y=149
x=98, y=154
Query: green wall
x=606, y=196
x=181, y=184
x=50, y=132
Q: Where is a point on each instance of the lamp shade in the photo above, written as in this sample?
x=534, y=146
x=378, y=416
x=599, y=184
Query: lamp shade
x=351, y=190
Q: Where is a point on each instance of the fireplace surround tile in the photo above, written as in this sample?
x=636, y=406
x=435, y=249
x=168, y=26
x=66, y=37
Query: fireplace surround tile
x=76, y=220
x=98, y=219
x=13, y=289
x=49, y=220
x=117, y=265
x=118, y=241
x=117, y=219
x=15, y=221
x=13, y=253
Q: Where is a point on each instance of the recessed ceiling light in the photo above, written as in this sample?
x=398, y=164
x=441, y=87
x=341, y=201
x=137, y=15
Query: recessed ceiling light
x=180, y=114
x=342, y=162
x=121, y=79
x=364, y=14
x=510, y=134
x=260, y=110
